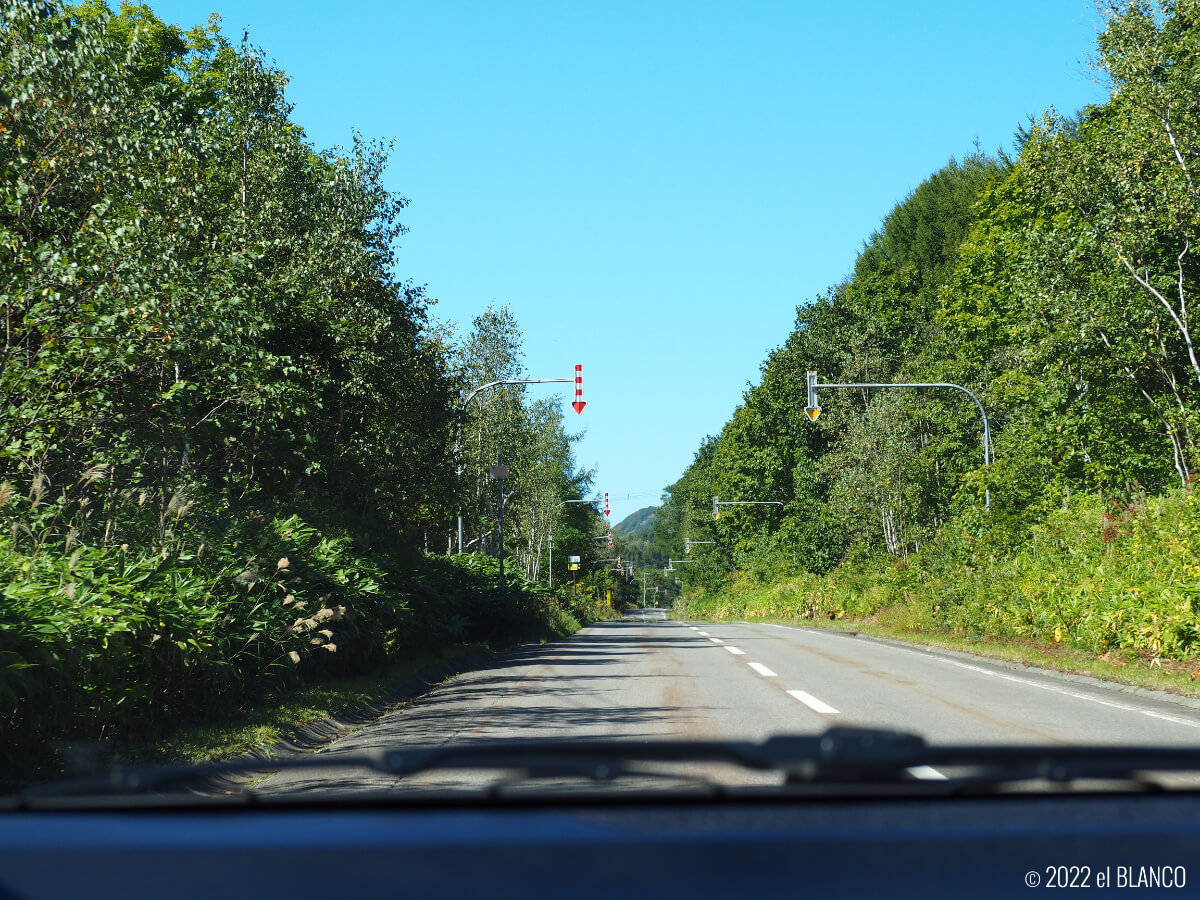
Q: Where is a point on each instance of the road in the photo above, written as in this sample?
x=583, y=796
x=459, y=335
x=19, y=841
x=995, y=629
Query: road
x=648, y=677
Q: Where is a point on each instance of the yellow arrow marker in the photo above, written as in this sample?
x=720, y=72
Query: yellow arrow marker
x=813, y=412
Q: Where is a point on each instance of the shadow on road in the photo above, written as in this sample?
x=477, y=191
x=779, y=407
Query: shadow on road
x=611, y=681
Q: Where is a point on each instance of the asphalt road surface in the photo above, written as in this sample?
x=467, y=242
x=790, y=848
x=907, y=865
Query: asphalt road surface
x=648, y=677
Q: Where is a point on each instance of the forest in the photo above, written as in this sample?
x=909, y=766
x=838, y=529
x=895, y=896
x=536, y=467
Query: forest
x=230, y=455
x=236, y=443
x=1054, y=281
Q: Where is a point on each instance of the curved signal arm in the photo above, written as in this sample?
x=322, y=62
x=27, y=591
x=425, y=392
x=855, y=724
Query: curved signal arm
x=718, y=503
x=987, y=430
x=462, y=414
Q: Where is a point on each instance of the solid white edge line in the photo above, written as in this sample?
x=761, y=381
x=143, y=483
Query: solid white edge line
x=1124, y=707
x=813, y=703
x=735, y=651
x=762, y=670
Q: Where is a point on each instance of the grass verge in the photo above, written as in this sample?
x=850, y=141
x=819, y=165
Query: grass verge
x=264, y=724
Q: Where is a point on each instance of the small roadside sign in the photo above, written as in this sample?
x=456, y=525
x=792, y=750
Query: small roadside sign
x=498, y=473
x=572, y=559
x=572, y=567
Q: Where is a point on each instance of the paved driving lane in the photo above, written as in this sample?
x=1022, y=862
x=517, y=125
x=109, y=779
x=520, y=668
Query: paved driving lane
x=647, y=677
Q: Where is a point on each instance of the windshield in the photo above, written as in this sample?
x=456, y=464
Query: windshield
x=383, y=382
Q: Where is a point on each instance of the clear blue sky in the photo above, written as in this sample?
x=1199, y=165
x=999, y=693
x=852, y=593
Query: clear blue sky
x=655, y=187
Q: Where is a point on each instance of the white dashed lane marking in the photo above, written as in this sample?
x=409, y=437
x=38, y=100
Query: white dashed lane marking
x=1028, y=682
x=735, y=651
x=813, y=703
x=762, y=670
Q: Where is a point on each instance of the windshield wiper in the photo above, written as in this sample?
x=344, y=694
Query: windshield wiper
x=839, y=756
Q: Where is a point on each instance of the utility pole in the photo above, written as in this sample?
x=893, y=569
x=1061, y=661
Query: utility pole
x=500, y=472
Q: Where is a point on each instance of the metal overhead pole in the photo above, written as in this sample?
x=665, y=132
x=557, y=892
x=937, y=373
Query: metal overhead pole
x=500, y=472
x=814, y=410
x=462, y=414
x=717, y=503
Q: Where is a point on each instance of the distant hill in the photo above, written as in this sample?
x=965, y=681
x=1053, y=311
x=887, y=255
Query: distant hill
x=640, y=522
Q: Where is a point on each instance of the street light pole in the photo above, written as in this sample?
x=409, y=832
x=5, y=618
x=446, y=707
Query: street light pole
x=462, y=414
x=556, y=509
x=500, y=472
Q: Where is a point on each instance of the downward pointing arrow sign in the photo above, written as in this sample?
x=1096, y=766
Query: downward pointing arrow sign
x=813, y=412
x=579, y=403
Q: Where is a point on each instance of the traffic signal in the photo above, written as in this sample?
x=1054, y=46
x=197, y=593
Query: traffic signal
x=813, y=410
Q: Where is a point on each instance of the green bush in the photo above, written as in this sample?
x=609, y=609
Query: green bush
x=1093, y=574
x=103, y=641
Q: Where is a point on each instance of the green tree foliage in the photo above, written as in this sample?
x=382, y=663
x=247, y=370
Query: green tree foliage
x=1058, y=286
x=228, y=427
x=875, y=469
x=529, y=437
x=198, y=301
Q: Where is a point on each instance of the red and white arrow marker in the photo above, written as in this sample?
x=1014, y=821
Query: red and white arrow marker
x=606, y=504
x=579, y=402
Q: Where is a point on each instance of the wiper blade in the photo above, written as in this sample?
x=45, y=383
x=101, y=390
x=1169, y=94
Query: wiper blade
x=842, y=755
x=867, y=755
x=597, y=760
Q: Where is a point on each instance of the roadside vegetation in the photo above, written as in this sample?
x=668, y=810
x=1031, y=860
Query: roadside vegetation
x=229, y=455
x=1119, y=584
x=1054, y=281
